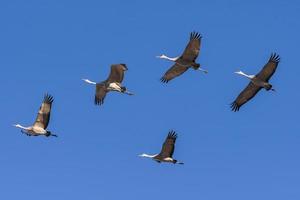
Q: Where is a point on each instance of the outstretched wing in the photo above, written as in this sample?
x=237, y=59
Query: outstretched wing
x=174, y=71
x=169, y=145
x=43, y=116
x=100, y=93
x=117, y=73
x=248, y=93
x=269, y=69
x=192, y=50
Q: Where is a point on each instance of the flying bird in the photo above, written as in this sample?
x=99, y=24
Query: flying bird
x=41, y=123
x=112, y=83
x=186, y=60
x=257, y=82
x=167, y=150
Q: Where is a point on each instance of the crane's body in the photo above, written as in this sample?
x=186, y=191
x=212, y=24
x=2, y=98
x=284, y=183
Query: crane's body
x=257, y=81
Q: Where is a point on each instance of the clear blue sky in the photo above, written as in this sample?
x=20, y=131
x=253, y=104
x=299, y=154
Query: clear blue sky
x=48, y=46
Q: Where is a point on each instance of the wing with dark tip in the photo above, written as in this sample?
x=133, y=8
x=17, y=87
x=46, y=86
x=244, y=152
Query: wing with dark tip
x=174, y=71
x=269, y=69
x=248, y=93
x=100, y=93
x=192, y=50
x=43, y=116
x=117, y=73
x=169, y=145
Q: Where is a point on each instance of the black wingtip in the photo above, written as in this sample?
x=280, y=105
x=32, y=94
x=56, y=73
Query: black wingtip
x=48, y=98
x=124, y=65
x=235, y=107
x=195, y=36
x=274, y=58
x=99, y=102
x=163, y=80
x=172, y=134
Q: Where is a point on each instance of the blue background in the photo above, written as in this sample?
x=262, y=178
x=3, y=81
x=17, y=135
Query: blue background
x=49, y=46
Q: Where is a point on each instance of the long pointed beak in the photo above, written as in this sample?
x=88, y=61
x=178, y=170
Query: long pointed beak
x=157, y=56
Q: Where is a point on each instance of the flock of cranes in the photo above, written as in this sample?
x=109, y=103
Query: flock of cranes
x=181, y=64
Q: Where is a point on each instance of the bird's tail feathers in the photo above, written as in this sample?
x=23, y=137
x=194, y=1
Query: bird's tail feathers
x=268, y=87
x=124, y=90
x=177, y=162
x=49, y=133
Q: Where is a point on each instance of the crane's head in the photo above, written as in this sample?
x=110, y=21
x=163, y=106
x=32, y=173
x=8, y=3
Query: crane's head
x=239, y=72
x=246, y=75
x=163, y=56
x=88, y=81
x=17, y=125
x=147, y=155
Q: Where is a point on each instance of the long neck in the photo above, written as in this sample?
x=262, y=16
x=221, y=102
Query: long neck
x=89, y=82
x=169, y=58
x=22, y=127
x=148, y=156
x=246, y=75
